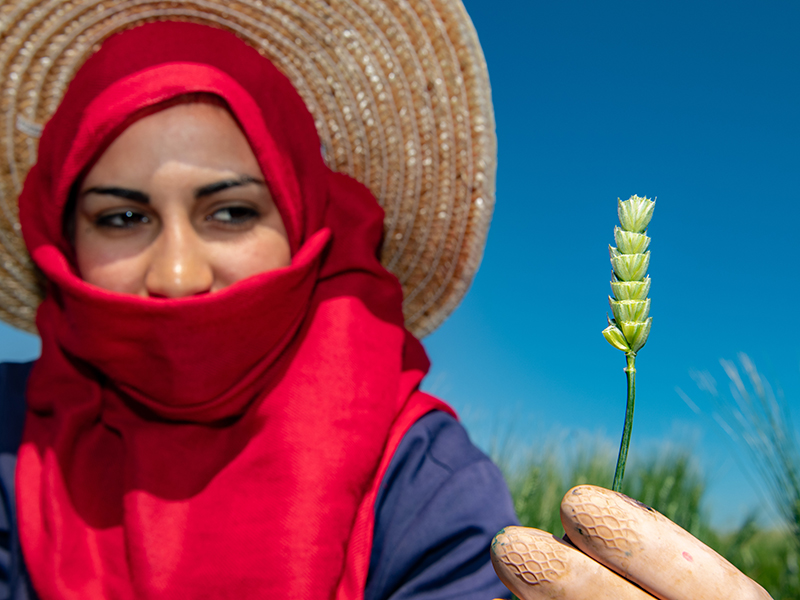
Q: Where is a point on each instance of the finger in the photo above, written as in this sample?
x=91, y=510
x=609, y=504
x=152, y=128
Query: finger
x=536, y=565
x=641, y=544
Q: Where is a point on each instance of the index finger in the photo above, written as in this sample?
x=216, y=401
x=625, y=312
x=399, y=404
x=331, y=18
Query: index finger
x=644, y=546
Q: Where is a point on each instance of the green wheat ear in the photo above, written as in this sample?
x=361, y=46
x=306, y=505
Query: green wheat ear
x=629, y=329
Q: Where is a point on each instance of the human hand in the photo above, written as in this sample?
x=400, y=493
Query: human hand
x=621, y=548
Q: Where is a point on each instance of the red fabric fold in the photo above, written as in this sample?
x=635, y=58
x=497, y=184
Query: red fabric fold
x=221, y=446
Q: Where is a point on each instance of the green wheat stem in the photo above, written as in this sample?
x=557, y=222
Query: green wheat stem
x=629, y=329
x=630, y=372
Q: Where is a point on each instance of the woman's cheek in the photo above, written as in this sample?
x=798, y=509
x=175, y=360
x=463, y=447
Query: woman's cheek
x=114, y=267
x=265, y=250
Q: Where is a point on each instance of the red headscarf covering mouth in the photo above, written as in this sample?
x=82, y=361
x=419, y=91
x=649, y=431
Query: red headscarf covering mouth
x=172, y=448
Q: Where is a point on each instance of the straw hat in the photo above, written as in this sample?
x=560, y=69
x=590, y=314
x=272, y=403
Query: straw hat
x=399, y=93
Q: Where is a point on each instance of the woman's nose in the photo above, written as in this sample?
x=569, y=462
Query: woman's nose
x=178, y=267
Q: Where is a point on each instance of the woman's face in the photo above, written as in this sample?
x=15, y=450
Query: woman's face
x=177, y=206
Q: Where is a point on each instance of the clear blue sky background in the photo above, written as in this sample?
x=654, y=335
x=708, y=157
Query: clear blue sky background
x=696, y=103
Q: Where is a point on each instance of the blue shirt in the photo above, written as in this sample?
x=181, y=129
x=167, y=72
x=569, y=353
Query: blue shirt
x=438, y=507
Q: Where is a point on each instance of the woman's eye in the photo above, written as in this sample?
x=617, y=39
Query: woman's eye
x=123, y=220
x=233, y=215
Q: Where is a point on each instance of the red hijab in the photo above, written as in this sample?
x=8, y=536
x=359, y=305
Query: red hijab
x=220, y=446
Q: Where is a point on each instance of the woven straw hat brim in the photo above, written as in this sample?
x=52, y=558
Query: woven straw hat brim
x=398, y=90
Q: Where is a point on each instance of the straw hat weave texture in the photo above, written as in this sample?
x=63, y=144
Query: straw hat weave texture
x=398, y=90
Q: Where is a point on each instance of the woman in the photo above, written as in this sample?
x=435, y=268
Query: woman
x=225, y=376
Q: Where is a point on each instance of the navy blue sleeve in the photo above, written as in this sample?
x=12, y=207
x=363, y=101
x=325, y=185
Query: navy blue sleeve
x=13, y=381
x=440, y=504
x=14, y=584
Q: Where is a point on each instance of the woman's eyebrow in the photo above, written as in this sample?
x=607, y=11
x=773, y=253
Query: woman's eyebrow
x=125, y=193
x=213, y=188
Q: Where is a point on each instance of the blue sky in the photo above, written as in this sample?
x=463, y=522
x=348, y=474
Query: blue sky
x=695, y=103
